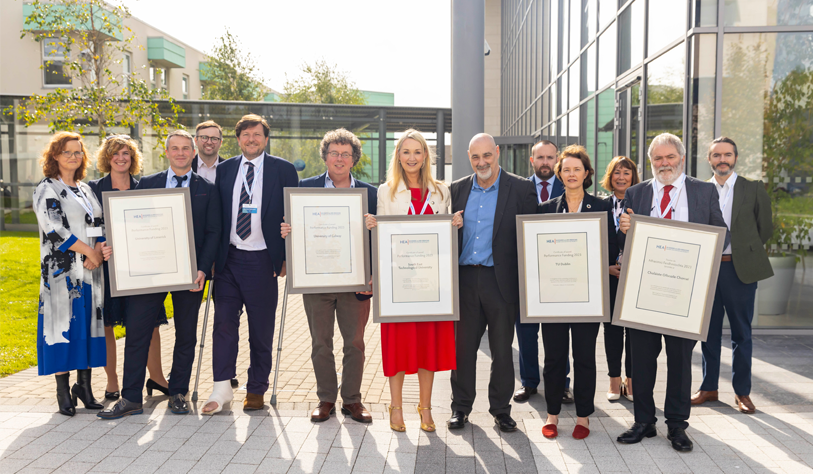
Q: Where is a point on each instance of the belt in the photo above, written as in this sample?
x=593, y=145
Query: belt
x=726, y=258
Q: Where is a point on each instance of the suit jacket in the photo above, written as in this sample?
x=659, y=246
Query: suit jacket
x=205, y=215
x=751, y=227
x=278, y=173
x=556, y=190
x=516, y=196
x=106, y=184
x=590, y=203
x=702, y=198
x=195, y=162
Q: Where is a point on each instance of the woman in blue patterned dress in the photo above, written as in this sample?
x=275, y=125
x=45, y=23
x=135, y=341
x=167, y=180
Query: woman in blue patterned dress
x=70, y=329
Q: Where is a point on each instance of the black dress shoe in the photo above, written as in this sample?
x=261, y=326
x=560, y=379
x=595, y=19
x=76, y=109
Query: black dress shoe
x=63, y=395
x=178, y=405
x=121, y=409
x=152, y=385
x=680, y=441
x=112, y=395
x=81, y=390
x=568, y=396
x=524, y=393
x=234, y=383
x=505, y=422
x=457, y=421
x=637, y=432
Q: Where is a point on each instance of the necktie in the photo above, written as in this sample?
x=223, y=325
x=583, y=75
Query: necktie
x=666, y=200
x=544, y=195
x=179, y=180
x=244, y=219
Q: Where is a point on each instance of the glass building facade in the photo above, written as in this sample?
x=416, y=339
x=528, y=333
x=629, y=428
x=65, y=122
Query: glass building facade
x=612, y=74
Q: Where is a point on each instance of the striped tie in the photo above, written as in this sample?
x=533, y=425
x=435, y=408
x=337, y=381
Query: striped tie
x=244, y=219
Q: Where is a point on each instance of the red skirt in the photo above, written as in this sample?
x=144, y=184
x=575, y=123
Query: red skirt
x=407, y=347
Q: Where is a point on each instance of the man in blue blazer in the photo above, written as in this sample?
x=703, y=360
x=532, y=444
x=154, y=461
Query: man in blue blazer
x=142, y=310
x=251, y=258
x=544, y=156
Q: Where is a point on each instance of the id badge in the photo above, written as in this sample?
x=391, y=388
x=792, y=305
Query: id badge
x=249, y=208
x=94, y=232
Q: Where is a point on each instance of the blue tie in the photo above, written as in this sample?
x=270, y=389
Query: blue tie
x=179, y=180
x=244, y=219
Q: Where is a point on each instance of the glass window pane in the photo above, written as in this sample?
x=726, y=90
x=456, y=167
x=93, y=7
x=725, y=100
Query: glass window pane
x=588, y=21
x=575, y=28
x=631, y=36
x=701, y=100
x=667, y=22
x=705, y=12
x=606, y=56
x=563, y=142
x=587, y=132
x=588, y=72
x=664, y=106
x=556, y=105
x=573, y=127
x=554, y=38
x=768, y=12
x=606, y=129
x=606, y=12
x=564, y=93
x=546, y=107
x=565, y=32
x=575, y=83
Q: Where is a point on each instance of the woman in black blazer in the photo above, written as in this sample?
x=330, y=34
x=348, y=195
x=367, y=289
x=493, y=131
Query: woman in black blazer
x=119, y=157
x=576, y=173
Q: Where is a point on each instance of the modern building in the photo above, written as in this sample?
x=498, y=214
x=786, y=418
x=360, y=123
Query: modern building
x=612, y=74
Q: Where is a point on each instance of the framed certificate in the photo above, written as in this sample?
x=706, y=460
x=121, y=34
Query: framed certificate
x=154, y=240
x=669, y=277
x=415, y=269
x=563, y=269
x=328, y=250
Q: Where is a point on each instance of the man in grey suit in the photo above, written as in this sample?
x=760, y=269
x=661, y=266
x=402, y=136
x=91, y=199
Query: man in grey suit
x=670, y=195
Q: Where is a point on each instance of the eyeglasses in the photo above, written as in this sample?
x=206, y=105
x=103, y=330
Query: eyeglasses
x=75, y=154
x=205, y=138
x=336, y=154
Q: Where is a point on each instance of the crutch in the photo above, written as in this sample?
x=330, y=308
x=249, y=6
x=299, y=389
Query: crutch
x=279, y=343
x=203, y=336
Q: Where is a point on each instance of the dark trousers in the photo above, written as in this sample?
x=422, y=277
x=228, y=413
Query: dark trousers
x=556, y=339
x=142, y=311
x=646, y=346
x=528, y=341
x=481, y=306
x=735, y=299
x=614, y=344
x=246, y=279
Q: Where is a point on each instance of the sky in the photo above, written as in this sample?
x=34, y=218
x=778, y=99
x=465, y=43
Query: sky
x=382, y=45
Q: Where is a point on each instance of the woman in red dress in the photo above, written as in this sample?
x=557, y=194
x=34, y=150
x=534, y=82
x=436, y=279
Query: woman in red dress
x=416, y=347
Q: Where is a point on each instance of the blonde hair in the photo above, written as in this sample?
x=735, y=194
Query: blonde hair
x=396, y=173
x=112, y=145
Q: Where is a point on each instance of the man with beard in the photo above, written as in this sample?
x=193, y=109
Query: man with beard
x=544, y=156
x=489, y=276
x=669, y=195
x=208, y=139
x=746, y=209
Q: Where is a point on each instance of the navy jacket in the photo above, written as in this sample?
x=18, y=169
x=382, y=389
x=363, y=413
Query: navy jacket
x=556, y=190
x=278, y=173
x=106, y=184
x=206, y=215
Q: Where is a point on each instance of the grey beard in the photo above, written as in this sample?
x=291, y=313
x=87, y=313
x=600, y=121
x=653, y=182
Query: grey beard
x=485, y=175
x=675, y=176
x=719, y=172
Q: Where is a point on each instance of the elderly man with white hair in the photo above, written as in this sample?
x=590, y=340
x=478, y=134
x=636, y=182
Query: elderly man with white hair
x=669, y=195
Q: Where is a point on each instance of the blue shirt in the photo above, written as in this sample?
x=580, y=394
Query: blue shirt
x=171, y=182
x=478, y=224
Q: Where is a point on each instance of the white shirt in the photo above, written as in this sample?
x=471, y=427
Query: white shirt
x=171, y=182
x=255, y=241
x=678, y=201
x=207, y=172
x=726, y=192
x=538, y=183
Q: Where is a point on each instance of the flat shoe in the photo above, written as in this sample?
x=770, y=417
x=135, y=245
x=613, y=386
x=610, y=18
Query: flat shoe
x=550, y=431
x=580, y=432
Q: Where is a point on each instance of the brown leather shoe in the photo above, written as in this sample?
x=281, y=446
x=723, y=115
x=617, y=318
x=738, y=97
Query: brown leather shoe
x=357, y=412
x=253, y=401
x=744, y=404
x=702, y=396
x=524, y=393
x=323, y=411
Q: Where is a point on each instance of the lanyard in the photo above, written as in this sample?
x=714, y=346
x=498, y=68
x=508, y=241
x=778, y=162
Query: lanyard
x=425, y=203
x=84, y=201
x=672, y=204
x=250, y=192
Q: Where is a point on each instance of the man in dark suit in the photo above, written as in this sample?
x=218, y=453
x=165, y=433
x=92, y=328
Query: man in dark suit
x=746, y=209
x=670, y=195
x=251, y=258
x=142, y=310
x=489, y=278
x=544, y=156
x=208, y=138
x=341, y=151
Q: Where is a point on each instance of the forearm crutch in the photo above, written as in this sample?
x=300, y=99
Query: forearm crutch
x=279, y=343
x=203, y=335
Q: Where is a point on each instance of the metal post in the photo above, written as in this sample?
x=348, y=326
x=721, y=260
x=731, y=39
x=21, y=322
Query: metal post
x=382, y=146
x=203, y=336
x=279, y=344
x=440, y=146
x=468, y=86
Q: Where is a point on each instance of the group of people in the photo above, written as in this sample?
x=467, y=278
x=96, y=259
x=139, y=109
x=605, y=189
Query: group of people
x=239, y=235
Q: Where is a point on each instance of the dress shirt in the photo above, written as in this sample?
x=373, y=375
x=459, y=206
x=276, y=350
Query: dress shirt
x=255, y=241
x=678, y=192
x=478, y=224
x=329, y=182
x=171, y=182
x=208, y=173
x=726, y=202
x=538, y=183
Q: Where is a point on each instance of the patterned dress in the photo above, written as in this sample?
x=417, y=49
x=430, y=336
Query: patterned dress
x=70, y=327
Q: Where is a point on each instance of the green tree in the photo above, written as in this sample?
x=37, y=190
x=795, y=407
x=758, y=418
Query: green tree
x=88, y=39
x=319, y=83
x=231, y=73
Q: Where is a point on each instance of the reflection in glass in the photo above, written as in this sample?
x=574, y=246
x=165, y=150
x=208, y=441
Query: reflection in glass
x=606, y=129
x=631, y=36
x=701, y=103
x=546, y=107
x=666, y=24
x=705, y=12
x=562, y=132
x=564, y=93
x=555, y=106
x=588, y=72
x=606, y=56
x=555, y=50
x=768, y=12
x=573, y=127
x=565, y=33
x=575, y=28
x=587, y=132
x=606, y=12
x=588, y=22
x=664, y=106
x=575, y=83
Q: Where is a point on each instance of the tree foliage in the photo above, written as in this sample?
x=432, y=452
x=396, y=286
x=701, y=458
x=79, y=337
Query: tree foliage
x=231, y=73
x=89, y=38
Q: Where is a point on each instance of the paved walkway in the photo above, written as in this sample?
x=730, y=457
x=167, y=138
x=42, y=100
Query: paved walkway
x=34, y=437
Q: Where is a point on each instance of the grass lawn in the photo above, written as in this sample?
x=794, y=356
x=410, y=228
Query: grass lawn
x=19, y=297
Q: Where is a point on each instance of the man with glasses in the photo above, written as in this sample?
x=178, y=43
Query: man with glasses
x=208, y=138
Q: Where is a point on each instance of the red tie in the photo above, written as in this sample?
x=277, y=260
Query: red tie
x=544, y=195
x=666, y=200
